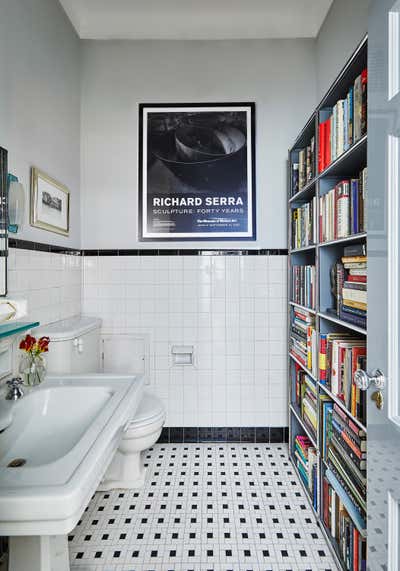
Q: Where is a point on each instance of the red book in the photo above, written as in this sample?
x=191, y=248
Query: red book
x=326, y=502
x=321, y=147
x=327, y=144
x=357, y=279
x=322, y=358
x=364, y=81
x=356, y=537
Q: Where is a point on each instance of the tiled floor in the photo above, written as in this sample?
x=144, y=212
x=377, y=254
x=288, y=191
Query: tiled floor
x=219, y=507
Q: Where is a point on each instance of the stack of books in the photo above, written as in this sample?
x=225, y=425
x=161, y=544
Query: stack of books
x=353, y=306
x=304, y=285
x=340, y=355
x=303, y=340
x=342, y=209
x=349, y=285
x=306, y=399
x=346, y=124
x=304, y=170
x=352, y=546
x=303, y=224
x=306, y=461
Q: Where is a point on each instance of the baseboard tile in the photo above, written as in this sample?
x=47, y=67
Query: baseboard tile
x=251, y=434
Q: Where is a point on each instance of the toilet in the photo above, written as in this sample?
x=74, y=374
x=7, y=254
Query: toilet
x=75, y=349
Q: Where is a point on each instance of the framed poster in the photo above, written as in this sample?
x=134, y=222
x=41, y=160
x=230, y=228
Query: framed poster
x=49, y=203
x=197, y=172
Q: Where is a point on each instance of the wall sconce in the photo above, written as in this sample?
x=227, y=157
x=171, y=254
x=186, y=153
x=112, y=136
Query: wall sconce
x=16, y=204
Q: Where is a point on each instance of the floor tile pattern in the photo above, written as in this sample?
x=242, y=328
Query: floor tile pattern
x=205, y=507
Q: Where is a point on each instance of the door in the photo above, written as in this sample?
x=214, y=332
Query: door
x=124, y=355
x=384, y=285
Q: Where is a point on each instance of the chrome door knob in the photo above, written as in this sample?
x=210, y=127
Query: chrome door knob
x=362, y=380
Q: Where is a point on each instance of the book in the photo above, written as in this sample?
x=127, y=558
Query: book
x=364, y=111
x=354, y=295
x=357, y=108
x=355, y=250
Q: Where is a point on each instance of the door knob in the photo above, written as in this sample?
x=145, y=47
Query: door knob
x=362, y=380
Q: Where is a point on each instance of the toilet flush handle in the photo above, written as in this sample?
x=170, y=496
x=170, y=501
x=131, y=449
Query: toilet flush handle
x=78, y=344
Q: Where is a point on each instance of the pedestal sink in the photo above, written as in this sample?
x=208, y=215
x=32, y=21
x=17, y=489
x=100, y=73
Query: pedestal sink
x=60, y=438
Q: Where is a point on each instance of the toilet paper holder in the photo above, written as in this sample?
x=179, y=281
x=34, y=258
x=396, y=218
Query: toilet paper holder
x=182, y=354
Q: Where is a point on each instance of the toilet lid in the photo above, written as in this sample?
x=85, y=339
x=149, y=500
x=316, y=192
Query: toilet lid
x=150, y=409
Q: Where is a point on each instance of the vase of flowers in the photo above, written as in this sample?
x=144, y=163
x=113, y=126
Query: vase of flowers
x=33, y=364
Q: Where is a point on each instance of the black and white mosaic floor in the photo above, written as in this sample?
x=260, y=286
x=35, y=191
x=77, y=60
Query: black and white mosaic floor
x=205, y=507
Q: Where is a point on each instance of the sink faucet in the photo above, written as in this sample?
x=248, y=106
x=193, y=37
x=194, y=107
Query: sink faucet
x=14, y=392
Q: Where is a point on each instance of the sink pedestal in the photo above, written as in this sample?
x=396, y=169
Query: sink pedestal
x=38, y=553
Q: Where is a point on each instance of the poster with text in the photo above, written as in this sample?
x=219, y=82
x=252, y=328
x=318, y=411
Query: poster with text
x=197, y=172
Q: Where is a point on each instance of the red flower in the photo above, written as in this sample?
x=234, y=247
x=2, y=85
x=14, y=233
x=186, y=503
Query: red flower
x=27, y=343
x=43, y=344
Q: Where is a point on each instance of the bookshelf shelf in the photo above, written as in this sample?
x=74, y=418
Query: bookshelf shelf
x=352, y=238
x=342, y=406
x=305, y=193
x=295, y=410
x=303, y=249
x=349, y=161
x=314, y=212
x=342, y=323
x=302, y=307
x=309, y=373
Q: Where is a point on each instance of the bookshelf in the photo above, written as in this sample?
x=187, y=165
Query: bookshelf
x=327, y=328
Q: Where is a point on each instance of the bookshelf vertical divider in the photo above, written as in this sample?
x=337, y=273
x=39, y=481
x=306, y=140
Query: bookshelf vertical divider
x=316, y=182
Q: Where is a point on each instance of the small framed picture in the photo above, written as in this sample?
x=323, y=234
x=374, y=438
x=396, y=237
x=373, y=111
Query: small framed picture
x=49, y=203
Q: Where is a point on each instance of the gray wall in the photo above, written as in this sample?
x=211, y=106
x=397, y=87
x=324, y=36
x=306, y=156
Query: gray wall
x=344, y=27
x=40, y=100
x=279, y=75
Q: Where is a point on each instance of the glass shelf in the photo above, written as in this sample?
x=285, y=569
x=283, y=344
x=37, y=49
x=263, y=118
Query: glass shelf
x=14, y=327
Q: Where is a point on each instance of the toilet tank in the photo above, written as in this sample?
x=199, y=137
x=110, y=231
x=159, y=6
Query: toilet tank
x=74, y=345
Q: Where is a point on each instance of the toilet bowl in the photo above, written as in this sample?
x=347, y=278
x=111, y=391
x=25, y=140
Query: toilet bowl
x=75, y=344
x=127, y=468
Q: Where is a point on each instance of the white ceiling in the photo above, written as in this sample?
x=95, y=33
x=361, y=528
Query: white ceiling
x=196, y=19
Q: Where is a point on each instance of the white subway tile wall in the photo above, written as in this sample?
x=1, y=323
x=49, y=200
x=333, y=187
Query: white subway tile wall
x=232, y=309
x=50, y=282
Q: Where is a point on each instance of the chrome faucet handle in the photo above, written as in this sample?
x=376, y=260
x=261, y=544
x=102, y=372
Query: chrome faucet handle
x=15, y=392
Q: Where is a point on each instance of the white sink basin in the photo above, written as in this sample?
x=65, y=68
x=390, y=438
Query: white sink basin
x=66, y=431
x=56, y=417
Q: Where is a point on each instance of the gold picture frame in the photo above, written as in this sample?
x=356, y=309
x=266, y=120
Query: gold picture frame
x=50, y=203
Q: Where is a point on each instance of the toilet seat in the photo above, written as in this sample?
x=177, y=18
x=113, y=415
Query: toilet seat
x=150, y=411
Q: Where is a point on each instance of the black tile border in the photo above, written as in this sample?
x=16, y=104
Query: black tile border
x=40, y=247
x=244, y=434
x=186, y=252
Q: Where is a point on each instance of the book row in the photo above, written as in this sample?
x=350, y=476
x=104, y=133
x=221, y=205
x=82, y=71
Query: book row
x=303, y=229
x=307, y=465
x=350, y=543
x=306, y=399
x=345, y=125
x=340, y=355
x=303, y=171
x=303, y=340
x=342, y=211
x=303, y=285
